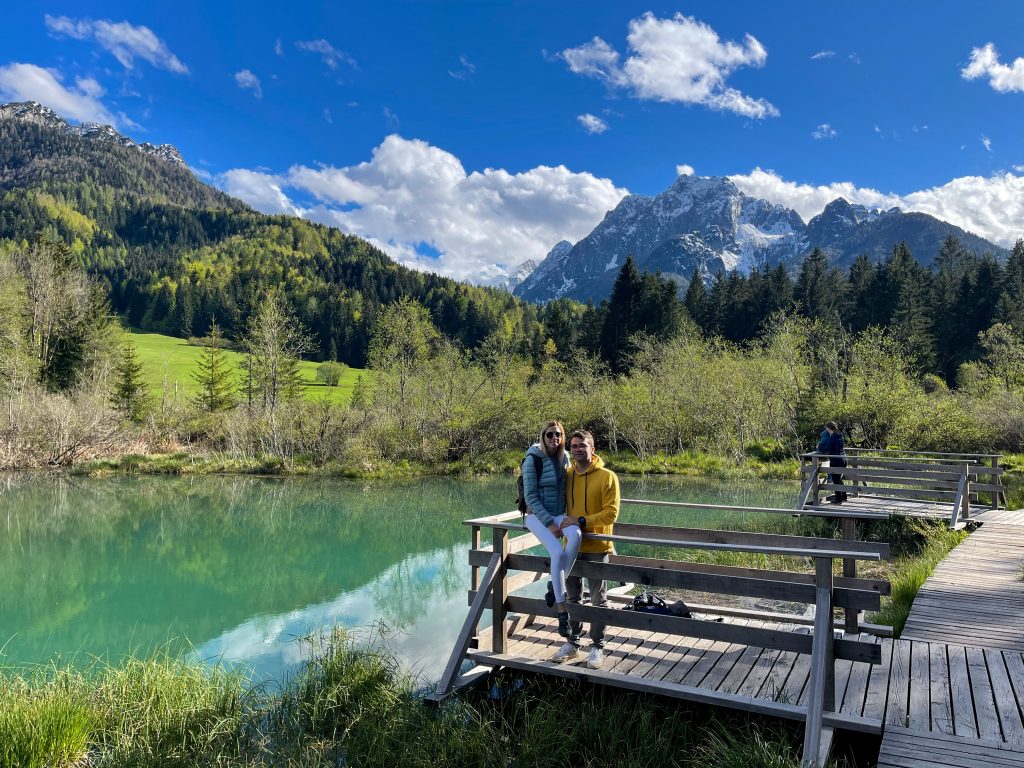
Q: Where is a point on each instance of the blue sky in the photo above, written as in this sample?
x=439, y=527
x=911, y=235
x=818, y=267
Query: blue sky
x=466, y=137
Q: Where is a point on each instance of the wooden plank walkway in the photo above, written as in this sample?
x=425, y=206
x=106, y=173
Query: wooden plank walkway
x=903, y=748
x=976, y=595
x=970, y=616
x=933, y=689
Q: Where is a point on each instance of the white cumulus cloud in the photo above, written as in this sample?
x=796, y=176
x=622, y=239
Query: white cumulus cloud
x=991, y=207
x=685, y=170
x=81, y=102
x=675, y=60
x=823, y=131
x=125, y=41
x=986, y=142
x=592, y=123
x=247, y=81
x=263, y=191
x=1002, y=77
x=418, y=203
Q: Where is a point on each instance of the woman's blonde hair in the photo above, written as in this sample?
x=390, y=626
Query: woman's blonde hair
x=545, y=428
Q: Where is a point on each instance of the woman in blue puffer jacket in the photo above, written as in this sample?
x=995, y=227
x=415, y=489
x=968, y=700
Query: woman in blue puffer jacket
x=545, y=496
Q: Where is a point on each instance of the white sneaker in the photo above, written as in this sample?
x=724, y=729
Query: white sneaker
x=566, y=652
x=595, y=658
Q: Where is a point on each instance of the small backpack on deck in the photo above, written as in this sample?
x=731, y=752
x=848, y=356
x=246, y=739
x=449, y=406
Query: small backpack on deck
x=538, y=469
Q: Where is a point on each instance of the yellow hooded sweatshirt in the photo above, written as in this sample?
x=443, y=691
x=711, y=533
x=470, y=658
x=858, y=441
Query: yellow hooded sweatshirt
x=594, y=496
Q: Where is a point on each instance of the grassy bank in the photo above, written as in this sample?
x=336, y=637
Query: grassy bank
x=354, y=706
x=200, y=462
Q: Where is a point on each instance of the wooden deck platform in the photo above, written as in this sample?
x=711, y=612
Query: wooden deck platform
x=932, y=689
x=705, y=671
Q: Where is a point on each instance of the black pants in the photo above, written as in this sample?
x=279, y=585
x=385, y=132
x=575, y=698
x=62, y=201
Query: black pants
x=837, y=479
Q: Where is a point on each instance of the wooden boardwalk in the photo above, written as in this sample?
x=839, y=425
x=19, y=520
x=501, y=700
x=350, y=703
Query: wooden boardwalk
x=933, y=689
x=969, y=685
x=976, y=594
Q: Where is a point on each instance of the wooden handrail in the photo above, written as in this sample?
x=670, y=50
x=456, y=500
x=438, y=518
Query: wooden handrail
x=798, y=546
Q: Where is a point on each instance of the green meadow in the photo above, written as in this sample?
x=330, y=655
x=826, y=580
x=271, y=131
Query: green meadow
x=172, y=360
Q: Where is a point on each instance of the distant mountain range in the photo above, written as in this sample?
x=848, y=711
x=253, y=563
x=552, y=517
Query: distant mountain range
x=707, y=223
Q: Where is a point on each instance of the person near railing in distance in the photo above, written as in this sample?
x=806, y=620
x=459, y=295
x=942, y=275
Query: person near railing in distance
x=832, y=445
x=592, y=501
x=545, y=497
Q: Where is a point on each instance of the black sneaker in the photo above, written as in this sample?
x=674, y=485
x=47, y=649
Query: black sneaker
x=549, y=598
x=563, y=623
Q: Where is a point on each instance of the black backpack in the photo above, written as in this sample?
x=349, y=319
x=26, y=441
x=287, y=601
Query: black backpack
x=538, y=469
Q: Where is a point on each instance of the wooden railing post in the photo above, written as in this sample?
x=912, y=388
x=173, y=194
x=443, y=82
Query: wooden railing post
x=965, y=509
x=815, y=491
x=822, y=684
x=499, y=592
x=474, y=571
x=849, y=524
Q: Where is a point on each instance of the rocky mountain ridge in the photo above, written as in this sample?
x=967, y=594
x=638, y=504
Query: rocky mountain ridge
x=36, y=113
x=708, y=224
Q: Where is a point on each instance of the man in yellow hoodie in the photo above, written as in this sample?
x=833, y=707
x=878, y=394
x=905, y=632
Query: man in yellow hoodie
x=592, y=502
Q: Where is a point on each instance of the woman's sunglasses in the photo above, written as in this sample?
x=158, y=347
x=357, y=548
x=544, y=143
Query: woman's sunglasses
x=552, y=435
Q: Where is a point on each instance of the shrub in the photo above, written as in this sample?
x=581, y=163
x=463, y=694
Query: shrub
x=330, y=373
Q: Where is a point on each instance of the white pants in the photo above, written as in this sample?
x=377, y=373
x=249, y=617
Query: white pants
x=562, y=557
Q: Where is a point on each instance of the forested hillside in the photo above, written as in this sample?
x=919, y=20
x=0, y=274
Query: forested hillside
x=174, y=253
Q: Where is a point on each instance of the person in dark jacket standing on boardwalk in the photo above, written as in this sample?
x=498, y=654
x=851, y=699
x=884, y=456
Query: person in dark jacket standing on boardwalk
x=832, y=445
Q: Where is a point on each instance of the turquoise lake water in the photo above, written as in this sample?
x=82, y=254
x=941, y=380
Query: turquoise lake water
x=237, y=569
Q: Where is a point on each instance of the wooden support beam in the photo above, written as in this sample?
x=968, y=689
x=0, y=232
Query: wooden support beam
x=451, y=669
x=499, y=591
x=851, y=615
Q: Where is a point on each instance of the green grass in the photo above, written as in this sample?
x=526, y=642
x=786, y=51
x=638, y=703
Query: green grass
x=166, y=357
x=918, y=545
x=354, y=705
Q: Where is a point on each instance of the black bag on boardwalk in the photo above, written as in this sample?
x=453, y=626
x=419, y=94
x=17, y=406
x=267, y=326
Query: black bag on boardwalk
x=538, y=468
x=648, y=602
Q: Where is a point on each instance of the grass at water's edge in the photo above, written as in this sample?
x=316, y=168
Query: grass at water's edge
x=354, y=706
x=930, y=541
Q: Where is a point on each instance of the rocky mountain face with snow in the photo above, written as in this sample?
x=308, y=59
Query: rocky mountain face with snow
x=35, y=113
x=706, y=223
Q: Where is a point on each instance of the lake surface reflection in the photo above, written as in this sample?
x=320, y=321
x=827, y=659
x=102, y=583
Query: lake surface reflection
x=238, y=568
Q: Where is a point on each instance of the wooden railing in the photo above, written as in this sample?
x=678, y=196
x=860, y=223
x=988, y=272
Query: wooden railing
x=493, y=587
x=951, y=478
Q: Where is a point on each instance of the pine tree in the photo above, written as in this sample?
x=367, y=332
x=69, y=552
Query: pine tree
x=616, y=329
x=214, y=376
x=130, y=395
x=1010, y=309
x=696, y=300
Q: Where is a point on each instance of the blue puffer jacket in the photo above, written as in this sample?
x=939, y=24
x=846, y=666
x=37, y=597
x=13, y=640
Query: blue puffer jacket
x=545, y=496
